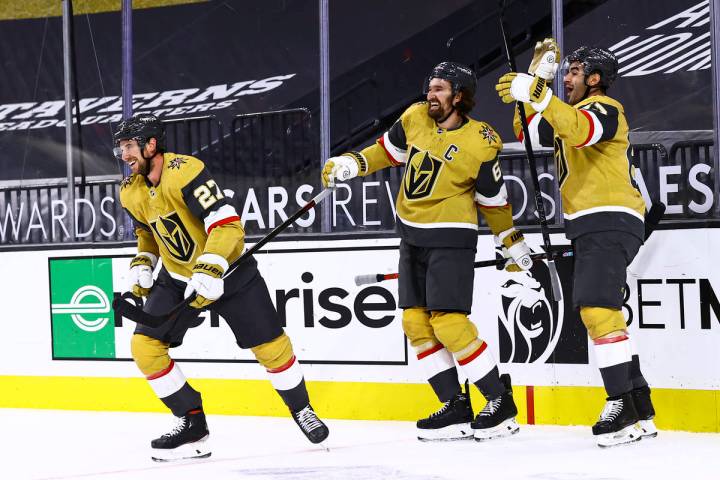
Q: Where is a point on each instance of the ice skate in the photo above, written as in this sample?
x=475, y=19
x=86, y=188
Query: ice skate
x=618, y=423
x=497, y=419
x=313, y=428
x=188, y=439
x=451, y=422
x=645, y=411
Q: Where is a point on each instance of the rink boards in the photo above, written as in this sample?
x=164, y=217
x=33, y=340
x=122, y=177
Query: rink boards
x=63, y=346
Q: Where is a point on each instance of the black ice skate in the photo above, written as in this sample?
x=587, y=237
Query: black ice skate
x=451, y=422
x=618, y=423
x=313, y=428
x=497, y=419
x=645, y=411
x=187, y=440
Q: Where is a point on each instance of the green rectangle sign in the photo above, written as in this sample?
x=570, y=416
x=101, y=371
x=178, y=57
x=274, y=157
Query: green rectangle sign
x=81, y=292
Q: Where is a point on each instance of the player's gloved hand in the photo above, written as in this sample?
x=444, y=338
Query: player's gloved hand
x=522, y=87
x=545, y=59
x=515, y=250
x=339, y=168
x=206, y=281
x=140, y=276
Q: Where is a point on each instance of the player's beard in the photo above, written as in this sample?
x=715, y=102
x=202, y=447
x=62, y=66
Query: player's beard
x=441, y=112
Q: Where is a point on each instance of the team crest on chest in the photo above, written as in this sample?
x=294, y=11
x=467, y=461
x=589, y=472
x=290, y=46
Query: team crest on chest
x=421, y=174
x=175, y=236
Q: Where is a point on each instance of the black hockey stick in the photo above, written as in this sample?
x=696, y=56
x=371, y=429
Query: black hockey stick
x=539, y=206
x=657, y=210
x=136, y=314
x=562, y=251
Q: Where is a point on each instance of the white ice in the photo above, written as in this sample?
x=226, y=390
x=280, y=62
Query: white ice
x=49, y=444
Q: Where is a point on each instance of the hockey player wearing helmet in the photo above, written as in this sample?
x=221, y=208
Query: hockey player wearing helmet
x=452, y=169
x=182, y=216
x=603, y=210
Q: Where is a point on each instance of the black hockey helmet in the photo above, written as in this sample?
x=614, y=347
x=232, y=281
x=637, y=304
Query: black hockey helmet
x=141, y=127
x=594, y=60
x=459, y=76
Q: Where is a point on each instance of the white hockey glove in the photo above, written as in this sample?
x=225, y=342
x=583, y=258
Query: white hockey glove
x=339, y=168
x=545, y=60
x=522, y=87
x=140, y=276
x=515, y=250
x=206, y=280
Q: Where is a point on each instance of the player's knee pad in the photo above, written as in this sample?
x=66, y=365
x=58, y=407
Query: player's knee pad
x=150, y=355
x=416, y=325
x=600, y=321
x=275, y=353
x=454, y=330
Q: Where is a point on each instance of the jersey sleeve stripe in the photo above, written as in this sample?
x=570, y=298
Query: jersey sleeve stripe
x=499, y=200
x=396, y=155
x=596, y=129
x=221, y=216
x=521, y=135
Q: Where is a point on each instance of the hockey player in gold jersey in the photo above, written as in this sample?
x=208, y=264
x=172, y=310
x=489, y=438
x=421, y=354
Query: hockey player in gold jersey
x=184, y=218
x=603, y=211
x=451, y=168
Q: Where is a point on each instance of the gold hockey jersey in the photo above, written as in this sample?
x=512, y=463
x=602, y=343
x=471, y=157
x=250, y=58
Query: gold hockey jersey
x=446, y=172
x=594, y=170
x=182, y=217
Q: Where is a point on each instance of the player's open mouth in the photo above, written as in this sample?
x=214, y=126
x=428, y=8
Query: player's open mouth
x=131, y=164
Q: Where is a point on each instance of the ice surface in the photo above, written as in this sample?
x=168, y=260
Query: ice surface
x=50, y=444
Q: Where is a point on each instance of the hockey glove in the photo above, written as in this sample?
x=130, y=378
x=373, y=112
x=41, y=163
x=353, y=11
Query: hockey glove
x=206, y=281
x=515, y=250
x=522, y=87
x=545, y=60
x=339, y=168
x=140, y=276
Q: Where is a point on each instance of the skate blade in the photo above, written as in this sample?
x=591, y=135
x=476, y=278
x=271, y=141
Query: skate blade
x=648, y=428
x=189, y=451
x=459, y=431
x=505, y=429
x=630, y=434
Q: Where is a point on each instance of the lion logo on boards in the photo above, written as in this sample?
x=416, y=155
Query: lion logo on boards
x=421, y=174
x=174, y=235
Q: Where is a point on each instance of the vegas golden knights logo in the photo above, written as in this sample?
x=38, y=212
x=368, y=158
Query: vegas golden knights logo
x=175, y=237
x=421, y=174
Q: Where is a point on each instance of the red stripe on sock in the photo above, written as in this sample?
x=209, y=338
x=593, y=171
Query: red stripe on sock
x=530, y=400
x=162, y=373
x=284, y=367
x=603, y=341
x=434, y=349
x=474, y=355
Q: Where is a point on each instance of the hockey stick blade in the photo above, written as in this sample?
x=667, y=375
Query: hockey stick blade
x=137, y=315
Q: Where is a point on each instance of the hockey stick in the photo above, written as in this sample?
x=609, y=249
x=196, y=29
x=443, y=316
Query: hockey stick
x=563, y=251
x=137, y=314
x=657, y=210
x=539, y=206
